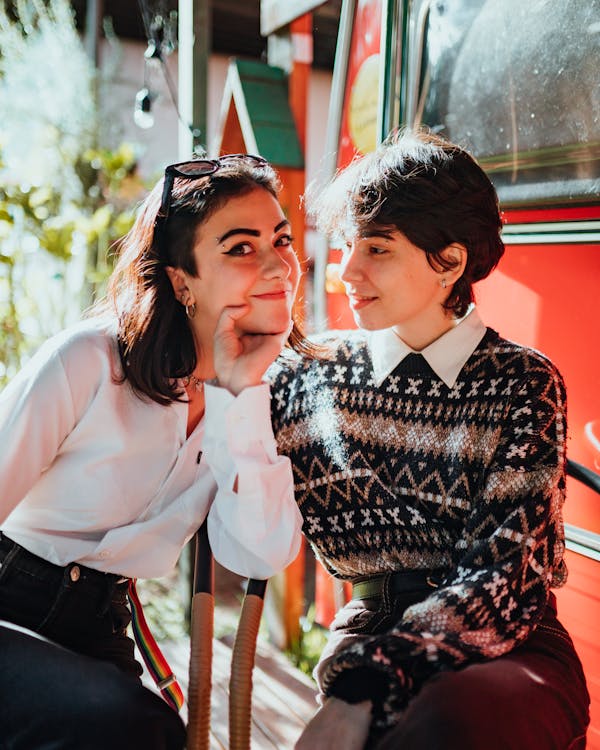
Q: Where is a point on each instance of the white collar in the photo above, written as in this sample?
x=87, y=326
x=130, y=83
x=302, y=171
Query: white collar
x=446, y=356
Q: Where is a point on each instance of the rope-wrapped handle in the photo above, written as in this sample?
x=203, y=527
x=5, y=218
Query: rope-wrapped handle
x=201, y=645
x=242, y=665
x=200, y=684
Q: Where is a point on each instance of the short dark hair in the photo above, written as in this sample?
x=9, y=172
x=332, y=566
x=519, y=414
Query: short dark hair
x=156, y=345
x=432, y=191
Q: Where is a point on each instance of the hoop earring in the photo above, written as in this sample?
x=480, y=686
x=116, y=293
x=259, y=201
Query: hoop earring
x=190, y=310
x=443, y=283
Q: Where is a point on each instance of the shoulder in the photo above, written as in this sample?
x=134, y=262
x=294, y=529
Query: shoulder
x=75, y=362
x=80, y=354
x=341, y=343
x=87, y=344
x=331, y=348
x=523, y=364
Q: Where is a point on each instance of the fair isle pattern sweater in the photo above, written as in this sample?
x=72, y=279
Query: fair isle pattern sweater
x=414, y=475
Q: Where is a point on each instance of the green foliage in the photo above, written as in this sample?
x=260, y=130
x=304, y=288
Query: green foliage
x=47, y=107
x=35, y=221
x=305, y=653
x=163, y=608
x=64, y=201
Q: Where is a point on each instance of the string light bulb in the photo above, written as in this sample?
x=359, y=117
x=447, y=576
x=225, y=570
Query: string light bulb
x=142, y=113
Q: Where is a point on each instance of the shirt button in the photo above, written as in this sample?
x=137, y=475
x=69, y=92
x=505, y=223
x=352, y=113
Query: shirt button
x=75, y=573
x=104, y=554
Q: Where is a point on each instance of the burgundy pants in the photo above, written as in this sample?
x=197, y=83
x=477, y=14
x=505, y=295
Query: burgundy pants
x=534, y=698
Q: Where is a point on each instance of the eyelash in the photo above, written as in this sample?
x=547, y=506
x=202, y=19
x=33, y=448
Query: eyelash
x=289, y=240
x=371, y=250
x=234, y=250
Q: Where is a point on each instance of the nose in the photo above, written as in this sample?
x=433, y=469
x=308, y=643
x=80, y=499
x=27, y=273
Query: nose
x=350, y=265
x=275, y=266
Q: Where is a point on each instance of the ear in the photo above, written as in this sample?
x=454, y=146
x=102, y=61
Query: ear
x=178, y=281
x=457, y=255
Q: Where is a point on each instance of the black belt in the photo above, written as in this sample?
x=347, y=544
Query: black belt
x=373, y=587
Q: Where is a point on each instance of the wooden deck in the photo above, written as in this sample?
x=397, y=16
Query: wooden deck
x=283, y=698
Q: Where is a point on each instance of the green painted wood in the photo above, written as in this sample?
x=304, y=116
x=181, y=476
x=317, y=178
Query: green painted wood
x=265, y=91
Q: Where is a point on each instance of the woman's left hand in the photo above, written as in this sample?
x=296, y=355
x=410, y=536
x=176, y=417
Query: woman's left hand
x=337, y=724
x=241, y=359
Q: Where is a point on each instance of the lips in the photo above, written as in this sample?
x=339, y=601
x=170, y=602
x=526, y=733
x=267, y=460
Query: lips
x=358, y=301
x=276, y=295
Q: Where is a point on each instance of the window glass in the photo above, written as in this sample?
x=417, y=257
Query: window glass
x=517, y=82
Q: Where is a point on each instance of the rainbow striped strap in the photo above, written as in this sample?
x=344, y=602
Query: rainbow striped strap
x=156, y=663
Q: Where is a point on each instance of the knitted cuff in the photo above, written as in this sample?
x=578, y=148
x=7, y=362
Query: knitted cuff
x=354, y=676
x=360, y=684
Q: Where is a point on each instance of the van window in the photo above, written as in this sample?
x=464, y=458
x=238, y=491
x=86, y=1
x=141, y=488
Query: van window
x=516, y=82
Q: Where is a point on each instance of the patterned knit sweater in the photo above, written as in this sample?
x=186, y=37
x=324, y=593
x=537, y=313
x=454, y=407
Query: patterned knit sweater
x=414, y=475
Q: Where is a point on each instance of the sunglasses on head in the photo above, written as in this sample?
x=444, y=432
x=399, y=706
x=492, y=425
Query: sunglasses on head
x=195, y=169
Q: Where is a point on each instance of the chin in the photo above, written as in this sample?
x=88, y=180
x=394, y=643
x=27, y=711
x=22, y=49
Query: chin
x=261, y=330
x=367, y=324
x=275, y=323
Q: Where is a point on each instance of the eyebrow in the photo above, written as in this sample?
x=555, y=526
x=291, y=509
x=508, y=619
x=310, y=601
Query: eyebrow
x=251, y=232
x=372, y=232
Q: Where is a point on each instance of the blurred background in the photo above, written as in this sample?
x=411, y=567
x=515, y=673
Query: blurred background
x=91, y=110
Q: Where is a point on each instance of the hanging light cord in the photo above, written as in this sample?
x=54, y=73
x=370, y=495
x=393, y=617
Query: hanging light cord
x=145, y=14
x=158, y=55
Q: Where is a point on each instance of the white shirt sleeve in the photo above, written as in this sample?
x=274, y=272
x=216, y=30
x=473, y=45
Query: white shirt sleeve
x=254, y=524
x=36, y=414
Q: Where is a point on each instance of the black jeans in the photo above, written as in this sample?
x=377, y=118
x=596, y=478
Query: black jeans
x=80, y=689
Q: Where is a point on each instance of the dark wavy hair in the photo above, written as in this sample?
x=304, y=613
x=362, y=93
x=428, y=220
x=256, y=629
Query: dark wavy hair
x=155, y=341
x=432, y=191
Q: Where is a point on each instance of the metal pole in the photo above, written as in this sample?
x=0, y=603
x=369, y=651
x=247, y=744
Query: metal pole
x=93, y=21
x=334, y=122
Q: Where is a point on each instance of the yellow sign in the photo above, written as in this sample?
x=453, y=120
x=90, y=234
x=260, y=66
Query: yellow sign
x=364, y=98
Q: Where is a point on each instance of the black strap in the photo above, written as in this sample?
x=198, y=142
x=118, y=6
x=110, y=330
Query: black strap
x=373, y=587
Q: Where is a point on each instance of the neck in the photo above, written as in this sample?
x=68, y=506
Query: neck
x=203, y=342
x=422, y=331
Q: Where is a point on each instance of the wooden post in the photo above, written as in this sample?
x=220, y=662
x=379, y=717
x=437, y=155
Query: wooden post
x=298, y=80
x=193, y=54
x=302, y=55
x=295, y=183
x=193, y=50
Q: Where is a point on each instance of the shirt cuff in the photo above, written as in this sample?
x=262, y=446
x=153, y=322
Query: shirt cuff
x=240, y=421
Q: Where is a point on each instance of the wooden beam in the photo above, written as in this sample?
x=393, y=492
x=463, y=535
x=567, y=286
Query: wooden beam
x=193, y=54
x=302, y=44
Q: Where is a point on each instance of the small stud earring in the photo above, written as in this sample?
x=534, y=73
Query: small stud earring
x=443, y=283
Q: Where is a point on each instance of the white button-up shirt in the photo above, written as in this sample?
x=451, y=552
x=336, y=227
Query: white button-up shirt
x=446, y=355
x=90, y=472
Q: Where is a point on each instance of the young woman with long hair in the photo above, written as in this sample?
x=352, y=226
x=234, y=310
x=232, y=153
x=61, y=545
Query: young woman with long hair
x=122, y=434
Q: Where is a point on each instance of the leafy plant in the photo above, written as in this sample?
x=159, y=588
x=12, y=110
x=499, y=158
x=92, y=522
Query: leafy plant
x=163, y=608
x=64, y=199
x=306, y=651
